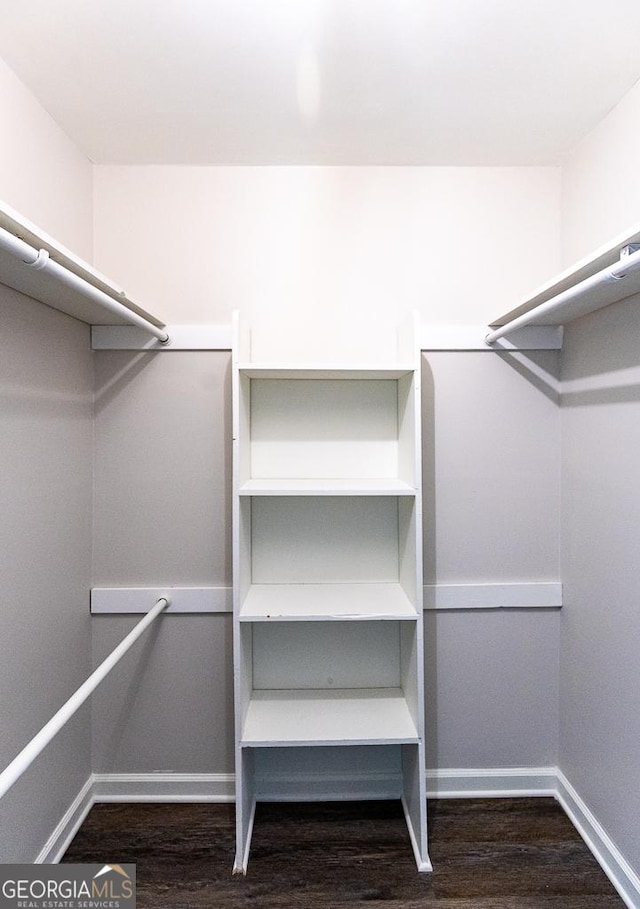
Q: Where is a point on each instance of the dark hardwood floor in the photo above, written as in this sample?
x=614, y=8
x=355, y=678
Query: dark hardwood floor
x=487, y=854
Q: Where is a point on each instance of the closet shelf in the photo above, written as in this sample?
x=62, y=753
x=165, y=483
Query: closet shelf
x=322, y=602
x=41, y=285
x=346, y=716
x=324, y=371
x=604, y=277
x=333, y=486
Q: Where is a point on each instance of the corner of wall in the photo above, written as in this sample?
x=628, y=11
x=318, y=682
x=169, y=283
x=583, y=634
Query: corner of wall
x=43, y=174
x=599, y=198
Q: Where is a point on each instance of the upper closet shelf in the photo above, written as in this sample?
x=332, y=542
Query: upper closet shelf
x=610, y=274
x=37, y=265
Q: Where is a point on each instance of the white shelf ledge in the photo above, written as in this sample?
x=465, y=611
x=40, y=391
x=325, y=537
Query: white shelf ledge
x=325, y=371
x=593, y=298
x=345, y=716
x=332, y=486
x=323, y=602
x=38, y=284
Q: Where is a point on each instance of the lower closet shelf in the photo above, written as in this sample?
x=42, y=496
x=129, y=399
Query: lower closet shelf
x=338, y=601
x=346, y=716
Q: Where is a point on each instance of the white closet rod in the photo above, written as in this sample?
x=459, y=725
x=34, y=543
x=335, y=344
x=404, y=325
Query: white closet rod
x=39, y=742
x=609, y=275
x=40, y=260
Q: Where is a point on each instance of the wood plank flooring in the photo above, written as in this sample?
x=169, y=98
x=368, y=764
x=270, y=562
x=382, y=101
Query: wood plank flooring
x=487, y=854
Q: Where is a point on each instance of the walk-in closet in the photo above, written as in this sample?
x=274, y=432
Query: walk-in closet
x=319, y=446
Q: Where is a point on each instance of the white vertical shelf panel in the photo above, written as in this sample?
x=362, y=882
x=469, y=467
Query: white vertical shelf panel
x=242, y=644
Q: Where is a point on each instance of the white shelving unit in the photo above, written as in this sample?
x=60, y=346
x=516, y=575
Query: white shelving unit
x=328, y=629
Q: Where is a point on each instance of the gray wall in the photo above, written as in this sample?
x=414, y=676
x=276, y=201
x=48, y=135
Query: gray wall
x=45, y=552
x=162, y=516
x=600, y=642
x=491, y=445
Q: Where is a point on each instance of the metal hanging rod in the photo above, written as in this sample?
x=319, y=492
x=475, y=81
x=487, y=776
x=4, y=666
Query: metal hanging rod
x=39, y=742
x=40, y=260
x=627, y=265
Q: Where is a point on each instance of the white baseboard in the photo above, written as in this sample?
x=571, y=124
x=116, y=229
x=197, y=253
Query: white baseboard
x=607, y=854
x=163, y=787
x=492, y=782
x=498, y=782
x=67, y=827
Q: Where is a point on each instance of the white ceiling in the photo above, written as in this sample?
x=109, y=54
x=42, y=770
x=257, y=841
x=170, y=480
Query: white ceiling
x=506, y=82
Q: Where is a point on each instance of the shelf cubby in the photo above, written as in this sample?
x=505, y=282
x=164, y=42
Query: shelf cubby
x=324, y=435
x=329, y=683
